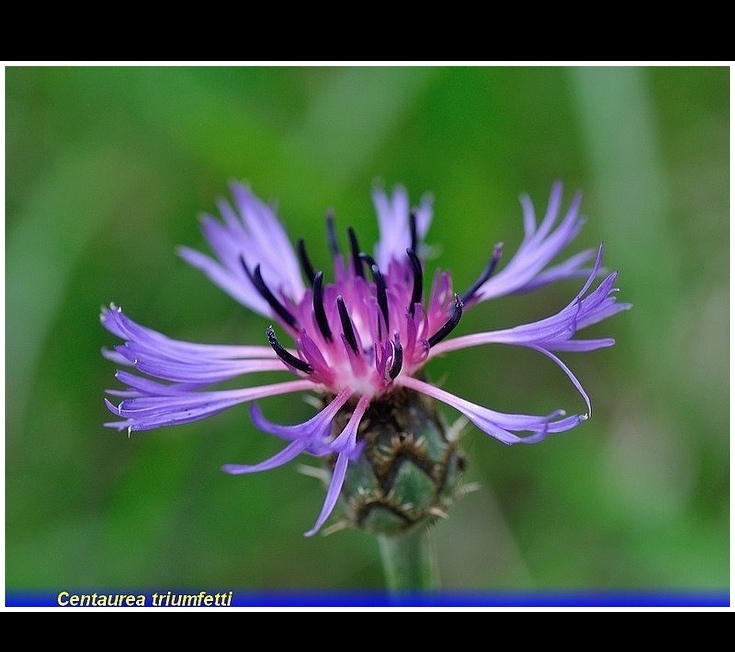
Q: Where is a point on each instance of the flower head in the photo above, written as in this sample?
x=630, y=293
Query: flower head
x=360, y=339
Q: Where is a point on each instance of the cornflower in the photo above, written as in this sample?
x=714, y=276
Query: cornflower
x=361, y=342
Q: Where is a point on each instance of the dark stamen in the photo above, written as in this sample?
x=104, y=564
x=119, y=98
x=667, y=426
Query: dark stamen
x=367, y=258
x=257, y=280
x=418, y=281
x=347, y=328
x=379, y=286
x=412, y=227
x=395, y=368
x=305, y=262
x=485, y=274
x=319, y=312
x=355, y=248
x=382, y=293
x=332, y=235
x=450, y=324
x=290, y=359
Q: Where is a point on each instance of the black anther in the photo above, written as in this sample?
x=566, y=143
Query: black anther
x=257, y=280
x=332, y=235
x=347, y=329
x=418, y=281
x=290, y=359
x=486, y=274
x=319, y=313
x=412, y=228
x=379, y=286
x=397, y=364
x=450, y=324
x=305, y=262
x=355, y=248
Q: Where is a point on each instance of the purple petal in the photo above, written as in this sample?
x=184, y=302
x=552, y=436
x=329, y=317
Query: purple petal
x=118, y=323
x=294, y=449
x=227, y=277
x=347, y=438
x=315, y=429
x=393, y=222
x=275, y=253
x=497, y=424
x=573, y=267
x=569, y=374
x=185, y=363
x=527, y=268
x=147, y=387
x=254, y=234
x=203, y=372
x=345, y=445
x=335, y=487
x=580, y=346
x=158, y=410
x=551, y=333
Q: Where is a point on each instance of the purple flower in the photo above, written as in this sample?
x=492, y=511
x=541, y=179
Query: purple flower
x=358, y=339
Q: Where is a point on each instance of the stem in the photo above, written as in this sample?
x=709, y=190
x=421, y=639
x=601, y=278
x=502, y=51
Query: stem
x=409, y=561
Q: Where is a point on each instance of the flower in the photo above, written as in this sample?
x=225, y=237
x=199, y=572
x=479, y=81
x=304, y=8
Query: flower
x=360, y=341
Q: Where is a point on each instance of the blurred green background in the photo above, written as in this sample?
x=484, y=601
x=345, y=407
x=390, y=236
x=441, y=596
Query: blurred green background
x=107, y=169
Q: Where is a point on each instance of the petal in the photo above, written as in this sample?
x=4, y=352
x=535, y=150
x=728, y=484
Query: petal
x=254, y=234
x=229, y=277
x=275, y=253
x=584, y=345
x=569, y=374
x=555, y=332
x=345, y=445
x=146, y=387
x=347, y=438
x=335, y=487
x=527, y=268
x=186, y=363
x=203, y=372
x=158, y=410
x=317, y=428
x=118, y=323
x=497, y=424
x=394, y=224
x=294, y=449
x=322, y=371
x=572, y=267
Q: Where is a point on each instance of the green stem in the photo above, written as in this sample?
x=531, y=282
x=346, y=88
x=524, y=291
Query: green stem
x=409, y=561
